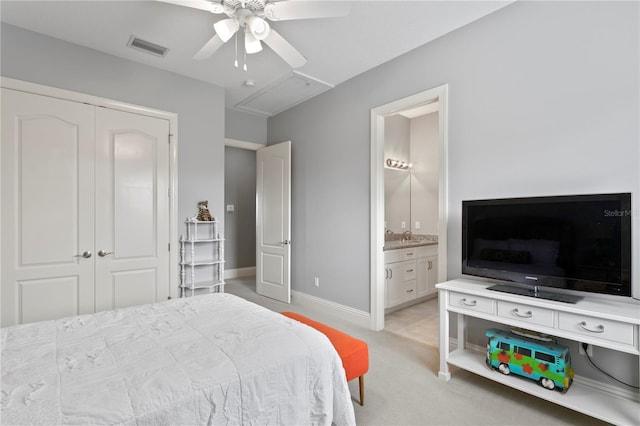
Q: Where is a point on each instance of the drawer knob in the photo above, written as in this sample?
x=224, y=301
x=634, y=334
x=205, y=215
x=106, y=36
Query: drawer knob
x=469, y=303
x=598, y=329
x=527, y=314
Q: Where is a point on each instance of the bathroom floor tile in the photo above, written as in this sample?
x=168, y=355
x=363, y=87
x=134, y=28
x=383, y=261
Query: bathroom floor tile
x=418, y=322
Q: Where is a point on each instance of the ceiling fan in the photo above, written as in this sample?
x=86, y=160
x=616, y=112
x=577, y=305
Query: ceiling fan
x=253, y=17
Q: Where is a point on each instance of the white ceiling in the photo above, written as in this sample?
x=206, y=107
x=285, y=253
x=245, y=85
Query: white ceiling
x=336, y=49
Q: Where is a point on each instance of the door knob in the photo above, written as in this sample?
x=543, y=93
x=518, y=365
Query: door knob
x=285, y=242
x=103, y=253
x=86, y=254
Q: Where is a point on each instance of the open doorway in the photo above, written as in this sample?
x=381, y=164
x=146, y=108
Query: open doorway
x=380, y=274
x=258, y=216
x=240, y=208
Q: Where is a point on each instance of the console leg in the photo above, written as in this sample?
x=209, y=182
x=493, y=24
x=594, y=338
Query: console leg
x=443, y=297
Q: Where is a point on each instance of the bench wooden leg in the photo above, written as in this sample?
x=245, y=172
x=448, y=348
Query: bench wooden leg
x=361, y=383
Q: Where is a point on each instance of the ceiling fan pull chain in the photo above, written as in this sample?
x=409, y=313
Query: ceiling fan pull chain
x=245, y=59
x=236, y=61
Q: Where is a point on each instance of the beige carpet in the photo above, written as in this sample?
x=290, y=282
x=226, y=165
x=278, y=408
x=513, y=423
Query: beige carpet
x=402, y=385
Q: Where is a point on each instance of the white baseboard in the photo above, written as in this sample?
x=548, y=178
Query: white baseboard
x=240, y=272
x=607, y=388
x=355, y=316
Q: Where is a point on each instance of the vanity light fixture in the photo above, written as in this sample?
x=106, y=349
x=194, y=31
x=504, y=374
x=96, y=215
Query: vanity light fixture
x=397, y=164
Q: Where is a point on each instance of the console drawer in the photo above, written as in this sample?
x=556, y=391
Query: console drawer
x=471, y=303
x=597, y=328
x=530, y=314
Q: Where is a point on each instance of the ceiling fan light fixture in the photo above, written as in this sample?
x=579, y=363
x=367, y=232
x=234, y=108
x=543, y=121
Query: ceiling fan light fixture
x=258, y=27
x=251, y=43
x=226, y=28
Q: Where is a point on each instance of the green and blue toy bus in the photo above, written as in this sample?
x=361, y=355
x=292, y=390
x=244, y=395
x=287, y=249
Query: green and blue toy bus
x=546, y=362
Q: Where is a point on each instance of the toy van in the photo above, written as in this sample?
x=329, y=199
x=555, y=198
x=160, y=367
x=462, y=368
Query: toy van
x=546, y=362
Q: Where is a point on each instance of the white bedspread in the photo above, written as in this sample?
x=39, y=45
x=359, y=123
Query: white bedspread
x=212, y=359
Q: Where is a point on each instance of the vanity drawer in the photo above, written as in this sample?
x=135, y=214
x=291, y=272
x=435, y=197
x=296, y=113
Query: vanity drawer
x=410, y=290
x=409, y=270
x=530, y=314
x=392, y=256
x=471, y=303
x=597, y=328
x=409, y=254
x=398, y=293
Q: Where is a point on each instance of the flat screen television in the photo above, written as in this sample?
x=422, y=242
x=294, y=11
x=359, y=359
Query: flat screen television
x=577, y=242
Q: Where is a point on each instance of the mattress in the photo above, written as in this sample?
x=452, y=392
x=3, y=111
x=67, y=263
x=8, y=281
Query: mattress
x=211, y=359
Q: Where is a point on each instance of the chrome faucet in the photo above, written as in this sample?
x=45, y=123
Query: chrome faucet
x=388, y=235
x=406, y=235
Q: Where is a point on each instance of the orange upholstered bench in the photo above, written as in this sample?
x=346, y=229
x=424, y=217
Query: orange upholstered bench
x=354, y=353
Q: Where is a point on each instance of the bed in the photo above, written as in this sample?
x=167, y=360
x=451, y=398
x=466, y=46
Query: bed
x=210, y=359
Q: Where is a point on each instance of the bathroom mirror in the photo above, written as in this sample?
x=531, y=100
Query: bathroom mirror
x=397, y=197
x=411, y=194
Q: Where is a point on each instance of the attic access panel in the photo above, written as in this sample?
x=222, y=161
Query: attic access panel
x=292, y=90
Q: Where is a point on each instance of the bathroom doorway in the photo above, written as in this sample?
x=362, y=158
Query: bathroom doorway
x=411, y=105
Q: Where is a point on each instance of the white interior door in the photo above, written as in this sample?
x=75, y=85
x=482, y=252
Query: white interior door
x=47, y=208
x=273, y=221
x=132, y=213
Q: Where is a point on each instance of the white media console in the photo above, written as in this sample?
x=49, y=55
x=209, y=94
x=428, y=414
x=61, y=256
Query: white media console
x=604, y=323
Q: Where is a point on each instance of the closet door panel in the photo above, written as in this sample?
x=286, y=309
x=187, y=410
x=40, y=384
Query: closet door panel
x=134, y=168
x=134, y=287
x=132, y=184
x=60, y=294
x=47, y=208
x=47, y=169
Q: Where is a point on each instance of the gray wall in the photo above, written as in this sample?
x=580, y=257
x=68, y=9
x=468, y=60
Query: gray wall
x=240, y=225
x=543, y=100
x=245, y=126
x=40, y=59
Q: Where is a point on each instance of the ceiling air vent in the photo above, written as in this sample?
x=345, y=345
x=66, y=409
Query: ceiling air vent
x=147, y=46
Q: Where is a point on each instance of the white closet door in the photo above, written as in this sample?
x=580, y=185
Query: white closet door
x=132, y=209
x=47, y=208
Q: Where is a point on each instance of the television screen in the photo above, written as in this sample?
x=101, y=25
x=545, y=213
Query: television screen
x=580, y=242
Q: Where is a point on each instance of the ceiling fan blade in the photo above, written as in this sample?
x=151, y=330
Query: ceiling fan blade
x=197, y=4
x=284, y=49
x=209, y=48
x=287, y=10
